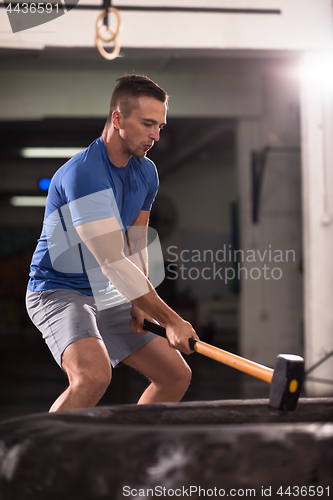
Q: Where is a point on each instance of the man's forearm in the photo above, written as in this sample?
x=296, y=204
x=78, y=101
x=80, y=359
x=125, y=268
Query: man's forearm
x=105, y=241
x=136, y=239
x=131, y=282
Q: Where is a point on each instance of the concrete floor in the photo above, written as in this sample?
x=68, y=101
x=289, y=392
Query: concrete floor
x=30, y=380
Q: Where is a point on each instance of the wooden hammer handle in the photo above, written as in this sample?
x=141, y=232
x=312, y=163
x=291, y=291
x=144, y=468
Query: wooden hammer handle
x=241, y=364
x=225, y=357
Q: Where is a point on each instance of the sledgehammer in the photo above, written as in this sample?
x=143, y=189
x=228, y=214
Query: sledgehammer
x=286, y=379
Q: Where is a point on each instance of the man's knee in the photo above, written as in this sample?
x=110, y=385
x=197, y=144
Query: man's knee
x=180, y=377
x=97, y=378
x=87, y=365
x=186, y=374
x=91, y=384
x=89, y=380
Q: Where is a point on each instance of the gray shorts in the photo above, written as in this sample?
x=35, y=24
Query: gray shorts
x=64, y=316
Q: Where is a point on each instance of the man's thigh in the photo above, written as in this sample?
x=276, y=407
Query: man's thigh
x=63, y=317
x=119, y=338
x=86, y=357
x=66, y=316
x=158, y=361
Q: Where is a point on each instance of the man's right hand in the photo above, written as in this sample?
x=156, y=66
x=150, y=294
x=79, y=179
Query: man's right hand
x=178, y=335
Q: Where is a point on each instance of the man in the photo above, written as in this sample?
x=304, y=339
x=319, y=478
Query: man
x=105, y=193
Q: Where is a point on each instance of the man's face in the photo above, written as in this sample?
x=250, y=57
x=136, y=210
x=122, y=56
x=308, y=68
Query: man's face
x=141, y=129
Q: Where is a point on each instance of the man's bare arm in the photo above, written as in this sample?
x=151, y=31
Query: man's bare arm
x=136, y=236
x=105, y=241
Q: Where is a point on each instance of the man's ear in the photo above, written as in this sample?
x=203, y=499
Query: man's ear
x=116, y=119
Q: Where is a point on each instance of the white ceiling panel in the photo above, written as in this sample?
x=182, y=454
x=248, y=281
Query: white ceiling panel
x=299, y=25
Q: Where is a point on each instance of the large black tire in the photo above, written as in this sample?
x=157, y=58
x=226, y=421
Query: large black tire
x=226, y=448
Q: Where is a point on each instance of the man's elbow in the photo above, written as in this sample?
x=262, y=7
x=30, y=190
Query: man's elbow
x=111, y=261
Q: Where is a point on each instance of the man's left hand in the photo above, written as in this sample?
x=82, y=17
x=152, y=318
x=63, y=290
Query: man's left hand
x=138, y=317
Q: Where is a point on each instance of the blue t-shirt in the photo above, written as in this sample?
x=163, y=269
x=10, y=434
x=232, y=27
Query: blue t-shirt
x=87, y=188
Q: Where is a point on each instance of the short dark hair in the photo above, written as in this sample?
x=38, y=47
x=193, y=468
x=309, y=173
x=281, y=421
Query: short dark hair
x=128, y=90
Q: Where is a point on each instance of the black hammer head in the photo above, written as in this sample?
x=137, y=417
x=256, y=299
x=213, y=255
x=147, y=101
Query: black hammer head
x=287, y=382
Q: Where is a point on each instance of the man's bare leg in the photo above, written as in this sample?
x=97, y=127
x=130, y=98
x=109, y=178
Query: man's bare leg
x=87, y=364
x=165, y=367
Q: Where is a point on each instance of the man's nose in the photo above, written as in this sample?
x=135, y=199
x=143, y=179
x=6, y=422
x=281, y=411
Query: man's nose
x=155, y=134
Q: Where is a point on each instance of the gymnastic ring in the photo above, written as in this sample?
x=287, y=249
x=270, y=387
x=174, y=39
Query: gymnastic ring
x=100, y=27
x=104, y=38
x=108, y=55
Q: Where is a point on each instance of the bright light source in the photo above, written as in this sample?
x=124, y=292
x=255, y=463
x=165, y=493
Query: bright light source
x=317, y=69
x=44, y=183
x=50, y=152
x=28, y=201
